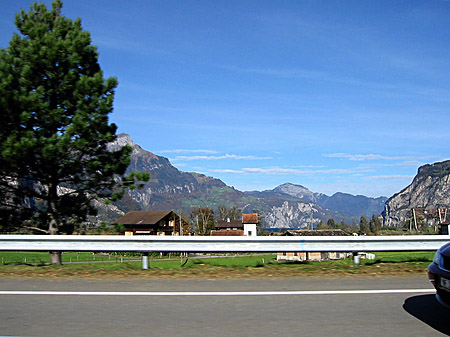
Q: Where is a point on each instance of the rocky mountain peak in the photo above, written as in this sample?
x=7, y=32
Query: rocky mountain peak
x=436, y=170
x=293, y=189
x=290, y=187
x=298, y=191
x=348, y=204
x=121, y=140
x=430, y=188
x=125, y=139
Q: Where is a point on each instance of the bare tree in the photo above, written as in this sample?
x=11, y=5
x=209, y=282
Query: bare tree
x=205, y=220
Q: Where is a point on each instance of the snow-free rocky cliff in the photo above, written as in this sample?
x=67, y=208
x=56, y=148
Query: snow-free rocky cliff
x=430, y=188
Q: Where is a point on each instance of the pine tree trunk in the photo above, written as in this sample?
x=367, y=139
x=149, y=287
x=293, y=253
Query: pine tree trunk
x=55, y=257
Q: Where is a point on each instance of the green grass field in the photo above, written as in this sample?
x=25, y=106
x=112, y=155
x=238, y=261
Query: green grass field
x=401, y=257
x=17, y=258
x=44, y=257
x=30, y=264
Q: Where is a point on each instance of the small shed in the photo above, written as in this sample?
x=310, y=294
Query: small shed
x=250, y=222
x=313, y=256
x=443, y=227
x=150, y=223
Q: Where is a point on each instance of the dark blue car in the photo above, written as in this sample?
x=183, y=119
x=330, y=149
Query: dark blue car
x=439, y=274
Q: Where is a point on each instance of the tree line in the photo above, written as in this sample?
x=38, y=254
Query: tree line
x=365, y=226
x=204, y=219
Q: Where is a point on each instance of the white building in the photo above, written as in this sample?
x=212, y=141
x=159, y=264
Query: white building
x=250, y=222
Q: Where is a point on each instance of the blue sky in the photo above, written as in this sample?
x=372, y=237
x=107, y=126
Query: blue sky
x=349, y=96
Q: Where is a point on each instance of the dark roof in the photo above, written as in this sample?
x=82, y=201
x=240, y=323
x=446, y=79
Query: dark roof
x=250, y=218
x=237, y=232
x=142, y=217
x=231, y=224
x=317, y=232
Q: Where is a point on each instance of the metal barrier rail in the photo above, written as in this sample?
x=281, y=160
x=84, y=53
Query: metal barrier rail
x=112, y=243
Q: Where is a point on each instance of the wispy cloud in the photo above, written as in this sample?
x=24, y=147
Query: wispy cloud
x=286, y=171
x=281, y=73
x=189, y=151
x=227, y=171
x=273, y=170
x=362, y=157
x=226, y=156
x=406, y=163
x=127, y=45
x=388, y=177
x=439, y=94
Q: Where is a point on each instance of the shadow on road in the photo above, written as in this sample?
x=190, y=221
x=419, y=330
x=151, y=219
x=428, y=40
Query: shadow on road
x=428, y=310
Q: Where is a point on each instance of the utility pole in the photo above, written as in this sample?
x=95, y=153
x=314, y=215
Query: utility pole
x=442, y=214
x=415, y=220
x=181, y=226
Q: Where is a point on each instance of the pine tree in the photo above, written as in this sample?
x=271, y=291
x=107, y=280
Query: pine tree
x=375, y=224
x=322, y=225
x=364, y=225
x=54, y=107
x=344, y=226
x=331, y=223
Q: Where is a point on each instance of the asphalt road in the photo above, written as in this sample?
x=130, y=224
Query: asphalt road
x=295, y=313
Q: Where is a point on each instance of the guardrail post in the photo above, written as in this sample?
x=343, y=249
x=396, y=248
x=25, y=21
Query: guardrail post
x=145, y=260
x=356, y=258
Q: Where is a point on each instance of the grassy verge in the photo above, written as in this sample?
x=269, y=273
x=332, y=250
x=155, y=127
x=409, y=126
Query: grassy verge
x=10, y=258
x=254, y=266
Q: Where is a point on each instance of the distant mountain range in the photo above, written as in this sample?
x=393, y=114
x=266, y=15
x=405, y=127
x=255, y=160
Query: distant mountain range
x=288, y=205
x=340, y=202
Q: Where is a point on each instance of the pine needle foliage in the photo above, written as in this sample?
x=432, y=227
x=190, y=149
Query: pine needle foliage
x=54, y=107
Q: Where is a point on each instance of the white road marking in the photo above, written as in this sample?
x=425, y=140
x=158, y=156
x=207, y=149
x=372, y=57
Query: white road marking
x=216, y=293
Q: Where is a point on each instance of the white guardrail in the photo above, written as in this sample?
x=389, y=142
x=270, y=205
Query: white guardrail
x=116, y=243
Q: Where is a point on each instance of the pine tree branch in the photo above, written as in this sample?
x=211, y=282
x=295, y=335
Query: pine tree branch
x=36, y=229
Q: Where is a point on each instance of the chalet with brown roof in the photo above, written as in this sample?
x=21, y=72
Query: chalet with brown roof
x=229, y=228
x=246, y=226
x=150, y=223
